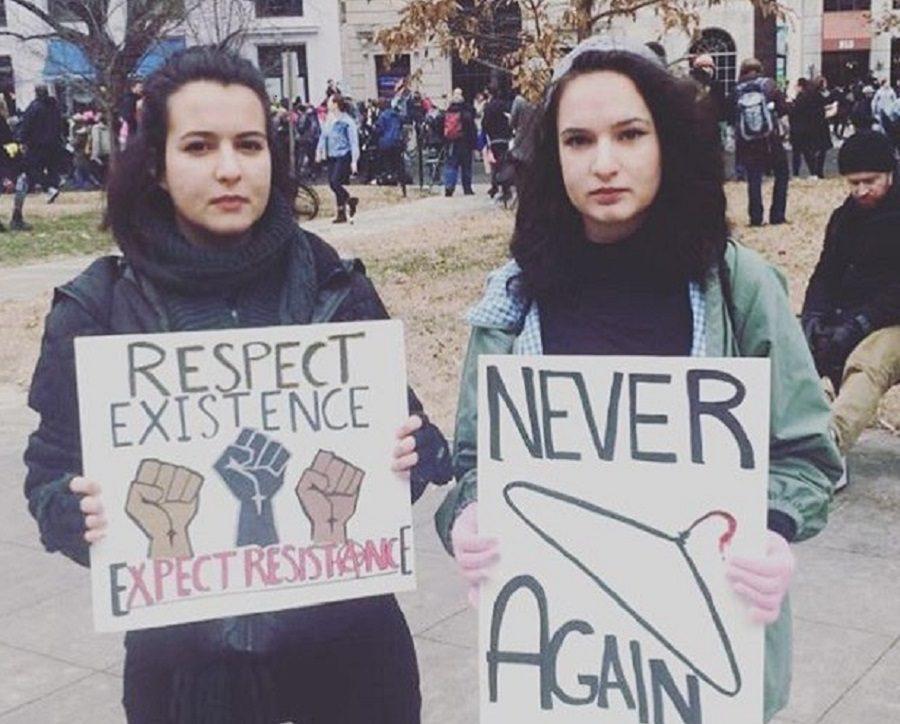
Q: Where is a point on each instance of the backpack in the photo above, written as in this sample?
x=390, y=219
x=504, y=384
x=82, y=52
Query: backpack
x=453, y=125
x=754, y=117
x=391, y=128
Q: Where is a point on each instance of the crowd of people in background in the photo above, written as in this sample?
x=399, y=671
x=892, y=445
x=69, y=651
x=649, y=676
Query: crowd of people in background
x=384, y=141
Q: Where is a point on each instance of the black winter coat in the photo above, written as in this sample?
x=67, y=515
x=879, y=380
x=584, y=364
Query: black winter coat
x=859, y=269
x=495, y=123
x=42, y=124
x=109, y=297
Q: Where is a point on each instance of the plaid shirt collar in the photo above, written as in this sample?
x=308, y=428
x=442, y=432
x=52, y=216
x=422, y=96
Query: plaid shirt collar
x=504, y=306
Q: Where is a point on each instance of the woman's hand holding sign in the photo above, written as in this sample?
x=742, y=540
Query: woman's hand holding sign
x=405, y=455
x=763, y=582
x=91, y=506
x=474, y=554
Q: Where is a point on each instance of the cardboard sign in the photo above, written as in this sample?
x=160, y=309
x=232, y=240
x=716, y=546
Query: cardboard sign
x=244, y=470
x=615, y=487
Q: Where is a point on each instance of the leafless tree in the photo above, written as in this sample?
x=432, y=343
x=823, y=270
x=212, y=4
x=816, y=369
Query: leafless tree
x=470, y=29
x=114, y=35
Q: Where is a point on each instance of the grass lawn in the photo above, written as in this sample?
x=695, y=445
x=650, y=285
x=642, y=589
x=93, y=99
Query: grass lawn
x=428, y=275
x=60, y=236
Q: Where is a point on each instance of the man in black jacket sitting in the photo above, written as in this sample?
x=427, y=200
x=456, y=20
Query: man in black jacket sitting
x=851, y=315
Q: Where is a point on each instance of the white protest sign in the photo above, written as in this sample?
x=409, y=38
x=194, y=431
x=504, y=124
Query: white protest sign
x=615, y=487
x=244, y=470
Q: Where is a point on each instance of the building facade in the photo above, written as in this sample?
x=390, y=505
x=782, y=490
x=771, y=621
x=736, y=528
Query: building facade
x=262, y=30
x=335, y=39
x=371, y=73
x=819, y=36
x=835, y=38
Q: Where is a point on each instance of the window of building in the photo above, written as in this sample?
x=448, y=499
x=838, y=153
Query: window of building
x=278, y=8
x=388, y=71
x=833, y=6
x=62, y=10
x=272, y=67
x=2, y=13
x=720, y=45
x=138, y=8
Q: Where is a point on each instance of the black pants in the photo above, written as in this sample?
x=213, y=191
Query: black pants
x=802, y=152
x=43, y=166
x=338, y=175
x=779, y=191
x=500, y=176
x=370, y=681
x=392, y=162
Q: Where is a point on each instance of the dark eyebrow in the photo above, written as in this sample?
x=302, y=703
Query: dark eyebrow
x=619, y=124
x=627, y=121
x=210, y=134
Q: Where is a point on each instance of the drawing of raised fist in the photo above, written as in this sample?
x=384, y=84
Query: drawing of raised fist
x=163, y=500
x=328, y=491
x=253, y=469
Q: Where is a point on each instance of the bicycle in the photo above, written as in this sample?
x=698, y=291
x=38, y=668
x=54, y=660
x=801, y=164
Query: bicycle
x=433, y=158
x=306, y=202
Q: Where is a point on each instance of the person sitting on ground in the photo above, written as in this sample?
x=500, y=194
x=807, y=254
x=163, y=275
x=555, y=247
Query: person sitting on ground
x=851, y=315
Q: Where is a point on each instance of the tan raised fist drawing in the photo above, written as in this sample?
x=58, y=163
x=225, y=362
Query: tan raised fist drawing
x=328, y=490
x=163, y=500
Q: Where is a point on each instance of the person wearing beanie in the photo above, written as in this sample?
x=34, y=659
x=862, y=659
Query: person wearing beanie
x=851, y=315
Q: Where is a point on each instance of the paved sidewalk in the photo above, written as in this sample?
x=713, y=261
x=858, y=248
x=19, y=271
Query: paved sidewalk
x=24, y=282
x=53, y=668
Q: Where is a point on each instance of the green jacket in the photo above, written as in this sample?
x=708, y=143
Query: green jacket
x=804, y=462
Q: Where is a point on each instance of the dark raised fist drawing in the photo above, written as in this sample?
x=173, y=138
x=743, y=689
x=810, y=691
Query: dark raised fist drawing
x=253, y=469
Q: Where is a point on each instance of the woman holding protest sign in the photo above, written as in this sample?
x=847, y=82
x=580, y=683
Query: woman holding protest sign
x=199, y=203
x=621, y=246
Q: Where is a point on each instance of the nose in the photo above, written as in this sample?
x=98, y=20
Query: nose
x=228, y=167
x=605, y=164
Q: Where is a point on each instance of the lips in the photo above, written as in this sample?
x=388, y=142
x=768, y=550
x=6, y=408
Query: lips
x=230, y=202
x=608, y=195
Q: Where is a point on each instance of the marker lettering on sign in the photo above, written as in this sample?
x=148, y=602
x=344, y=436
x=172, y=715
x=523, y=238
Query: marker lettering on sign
x=165, y=580
x=533, y=422
x=289, y=363
x=607, y=689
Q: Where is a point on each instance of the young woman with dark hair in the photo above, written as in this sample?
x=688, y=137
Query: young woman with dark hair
x=200, y=206
x=339, y=146
x=621, y=247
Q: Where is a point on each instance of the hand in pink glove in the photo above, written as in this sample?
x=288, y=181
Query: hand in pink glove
x=474, y=554
x=763, y=582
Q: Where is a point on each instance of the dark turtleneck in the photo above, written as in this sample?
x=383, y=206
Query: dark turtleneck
x=617, y=305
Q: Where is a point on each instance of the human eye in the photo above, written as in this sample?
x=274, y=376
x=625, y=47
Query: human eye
x=576, y=141
x=252, y=145
x=196, y=146
x=632, y=134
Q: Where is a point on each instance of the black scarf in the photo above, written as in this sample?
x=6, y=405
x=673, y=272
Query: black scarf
x=163, y=255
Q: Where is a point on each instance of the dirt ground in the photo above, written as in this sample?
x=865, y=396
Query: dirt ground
x=429, y=275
